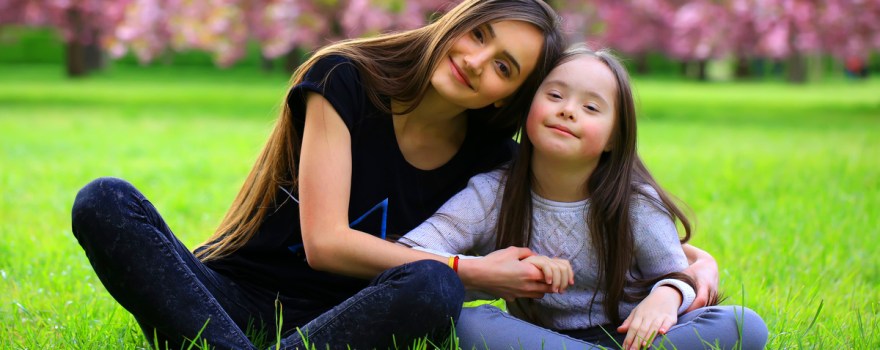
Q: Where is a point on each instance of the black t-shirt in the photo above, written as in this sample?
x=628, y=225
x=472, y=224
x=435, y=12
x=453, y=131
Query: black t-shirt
x=388, y=198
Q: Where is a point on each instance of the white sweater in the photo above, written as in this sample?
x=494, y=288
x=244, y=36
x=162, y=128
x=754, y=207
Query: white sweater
x=467, y=223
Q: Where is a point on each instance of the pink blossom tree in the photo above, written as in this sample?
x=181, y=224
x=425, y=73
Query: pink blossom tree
x=83, y=24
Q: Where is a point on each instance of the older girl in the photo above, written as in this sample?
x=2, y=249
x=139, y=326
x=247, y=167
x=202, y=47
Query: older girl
x=374, y=136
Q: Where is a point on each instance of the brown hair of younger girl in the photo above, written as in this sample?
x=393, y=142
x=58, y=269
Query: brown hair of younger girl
x=613, y=186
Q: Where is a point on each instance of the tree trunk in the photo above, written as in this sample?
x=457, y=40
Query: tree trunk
x=267, y=64
x=642, y=64
x=701, y=70
x=742, y=69
x=797, y=68
x=93, y=56
x=76, y=52
x=293, y=59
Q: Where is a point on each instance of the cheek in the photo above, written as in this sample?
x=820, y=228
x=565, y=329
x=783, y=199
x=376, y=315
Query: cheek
x=597, y=135
x=536, y=111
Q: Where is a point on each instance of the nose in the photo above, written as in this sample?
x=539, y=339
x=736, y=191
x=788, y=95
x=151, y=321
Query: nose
x=566, y=112
x=477, y=60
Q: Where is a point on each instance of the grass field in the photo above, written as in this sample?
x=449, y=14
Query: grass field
x=784, y=181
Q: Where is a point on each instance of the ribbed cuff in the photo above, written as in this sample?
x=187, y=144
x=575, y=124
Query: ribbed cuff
x=687, y=293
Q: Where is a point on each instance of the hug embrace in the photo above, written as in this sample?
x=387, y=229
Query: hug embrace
x=394, y=157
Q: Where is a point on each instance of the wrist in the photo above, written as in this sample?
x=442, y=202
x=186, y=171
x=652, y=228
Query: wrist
x=683, y=290
x=468, y=272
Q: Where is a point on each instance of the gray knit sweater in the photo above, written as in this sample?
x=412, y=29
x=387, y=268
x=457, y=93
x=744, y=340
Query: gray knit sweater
x=466, y=224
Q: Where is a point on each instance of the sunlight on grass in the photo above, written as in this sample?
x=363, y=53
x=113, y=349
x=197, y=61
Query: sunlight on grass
x=783, y=181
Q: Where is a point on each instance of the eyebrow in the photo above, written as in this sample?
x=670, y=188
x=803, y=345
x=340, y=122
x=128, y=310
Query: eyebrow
x=507, y=54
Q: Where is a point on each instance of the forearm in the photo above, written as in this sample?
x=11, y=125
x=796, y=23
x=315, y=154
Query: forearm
x=357, y=254
x=699, y=257
x=693, y=253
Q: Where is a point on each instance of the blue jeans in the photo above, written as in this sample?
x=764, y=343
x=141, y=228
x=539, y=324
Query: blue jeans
x=721, y=327
x=175, y=297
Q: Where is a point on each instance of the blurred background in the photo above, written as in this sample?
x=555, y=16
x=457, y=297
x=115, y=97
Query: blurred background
x=763, y=116
x=795, y=40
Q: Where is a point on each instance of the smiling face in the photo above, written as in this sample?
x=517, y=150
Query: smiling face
x=488, y=64
x=573, y=114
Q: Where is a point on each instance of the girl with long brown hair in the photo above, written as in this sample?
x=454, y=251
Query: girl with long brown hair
x=579, y=196
x=374, y=135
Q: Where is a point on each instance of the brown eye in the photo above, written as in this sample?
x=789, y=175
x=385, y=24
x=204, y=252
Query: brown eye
x=478, y=35
x=503, y=68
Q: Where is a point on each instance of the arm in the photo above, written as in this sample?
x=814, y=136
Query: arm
x=466, y=222
x=704, y=270
x=657, y=252
x=331, y=245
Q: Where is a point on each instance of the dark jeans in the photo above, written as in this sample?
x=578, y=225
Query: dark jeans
x=175, y=297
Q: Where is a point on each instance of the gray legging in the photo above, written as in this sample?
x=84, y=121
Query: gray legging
x=714, y=327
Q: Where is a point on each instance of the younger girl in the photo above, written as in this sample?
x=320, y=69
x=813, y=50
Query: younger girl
x=578, y=192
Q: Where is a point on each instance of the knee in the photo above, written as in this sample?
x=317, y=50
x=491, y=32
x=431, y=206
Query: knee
x=99, y=202
x=753, y=328
x=434, y=290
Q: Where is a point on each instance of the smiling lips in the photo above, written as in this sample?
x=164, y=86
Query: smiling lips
x=459, y=75
x=562, y=129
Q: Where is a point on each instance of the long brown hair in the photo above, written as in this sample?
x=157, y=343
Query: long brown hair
x=399, y=66
x=619, y=178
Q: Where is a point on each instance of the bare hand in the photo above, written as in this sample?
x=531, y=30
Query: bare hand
x=653, y=316
x=557, y=272
x=503, y=273
x=704, y=270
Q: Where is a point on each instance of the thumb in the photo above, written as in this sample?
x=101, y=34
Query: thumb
x=522, y=252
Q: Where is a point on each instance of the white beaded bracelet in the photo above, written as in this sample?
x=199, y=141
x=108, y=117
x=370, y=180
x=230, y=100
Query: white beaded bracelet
x=687, y=293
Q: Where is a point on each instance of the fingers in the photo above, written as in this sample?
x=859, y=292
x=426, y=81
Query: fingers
x=701, y=299
x=641, y=332
x=521, y=252
x=625, y=326
x=630, y=340
x=666, y=325
x=556, y=272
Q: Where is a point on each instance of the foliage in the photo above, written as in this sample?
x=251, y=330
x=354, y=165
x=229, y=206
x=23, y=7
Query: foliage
x=689, y=30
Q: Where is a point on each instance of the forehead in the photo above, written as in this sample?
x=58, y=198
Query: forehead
x=585, y=73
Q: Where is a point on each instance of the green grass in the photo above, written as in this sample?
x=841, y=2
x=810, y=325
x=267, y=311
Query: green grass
x=784, y=181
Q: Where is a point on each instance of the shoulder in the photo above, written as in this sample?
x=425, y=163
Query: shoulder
x=337, y=79
x=487, y=152
x=488, y=186
x=646, y=199
x=493, y=179
x=331, y=65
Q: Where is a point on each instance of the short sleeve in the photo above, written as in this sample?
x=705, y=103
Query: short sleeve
x=338, y=80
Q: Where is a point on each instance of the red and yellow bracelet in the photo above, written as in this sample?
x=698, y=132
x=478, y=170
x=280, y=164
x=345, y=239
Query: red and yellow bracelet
x=453, y=263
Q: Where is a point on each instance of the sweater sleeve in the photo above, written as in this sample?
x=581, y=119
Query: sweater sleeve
x=465, y=223
x=657, y=246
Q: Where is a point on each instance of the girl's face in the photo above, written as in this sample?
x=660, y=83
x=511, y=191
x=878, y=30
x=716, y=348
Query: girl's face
x=488, y=64
x=573, y=114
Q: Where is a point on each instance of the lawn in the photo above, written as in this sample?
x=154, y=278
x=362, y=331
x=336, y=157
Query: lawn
x=784, y=182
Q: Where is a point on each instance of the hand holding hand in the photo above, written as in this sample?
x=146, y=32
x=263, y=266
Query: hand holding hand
x=504, y=274
x=557, y=272
x=653, y=316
